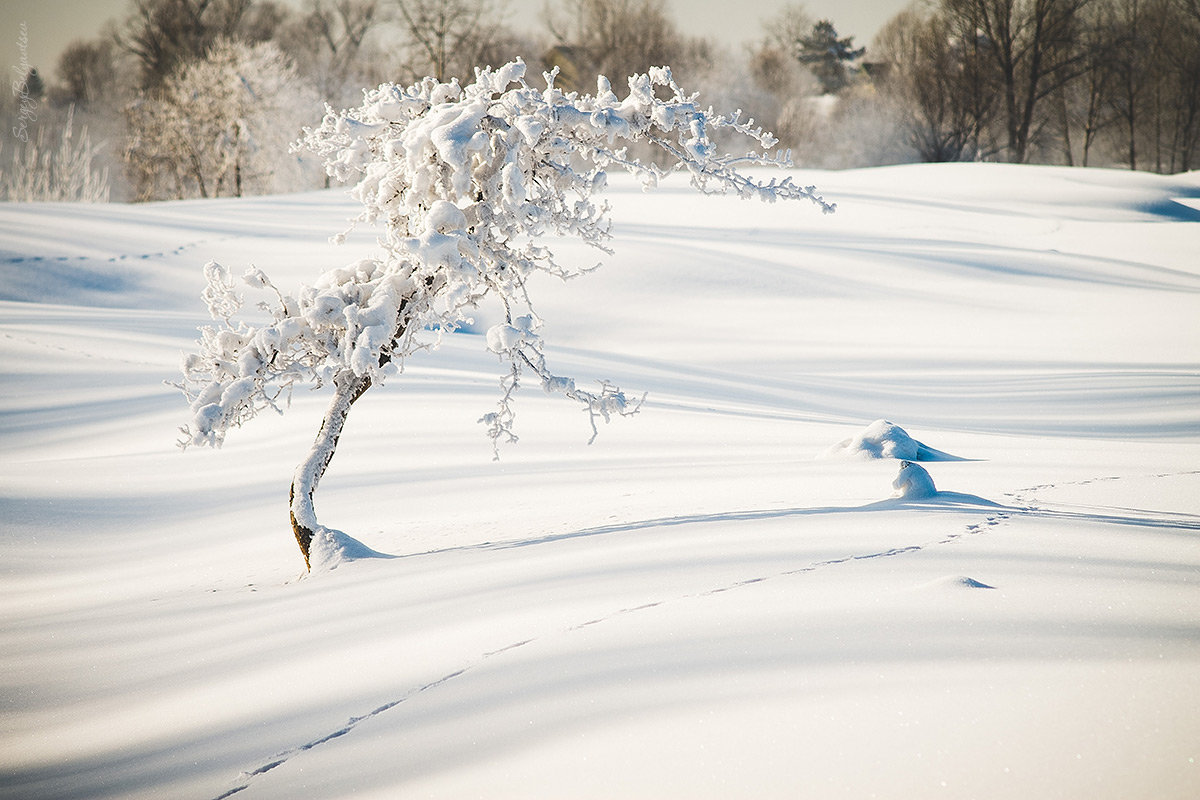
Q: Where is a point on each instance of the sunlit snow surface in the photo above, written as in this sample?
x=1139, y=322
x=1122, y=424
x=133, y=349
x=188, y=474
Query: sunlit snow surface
x=703, y=603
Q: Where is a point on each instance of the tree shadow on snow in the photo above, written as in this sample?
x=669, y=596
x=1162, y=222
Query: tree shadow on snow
x=940, y=501
x=947, y=502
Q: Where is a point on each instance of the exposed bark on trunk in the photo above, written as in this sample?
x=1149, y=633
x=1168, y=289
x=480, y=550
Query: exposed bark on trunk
x=349, y=387
x=1065, y=121
x=198, y=174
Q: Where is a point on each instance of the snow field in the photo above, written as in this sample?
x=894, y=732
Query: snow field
x=698, y=604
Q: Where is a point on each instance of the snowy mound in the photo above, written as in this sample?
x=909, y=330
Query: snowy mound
x=884, y=439
x=330, y=549
x=913, y=482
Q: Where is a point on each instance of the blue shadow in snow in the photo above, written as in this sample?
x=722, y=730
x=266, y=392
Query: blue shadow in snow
x=942, y=501
x=945, y=502
x=1172, y=210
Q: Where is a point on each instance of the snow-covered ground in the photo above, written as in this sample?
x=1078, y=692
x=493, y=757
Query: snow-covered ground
x=719, y=598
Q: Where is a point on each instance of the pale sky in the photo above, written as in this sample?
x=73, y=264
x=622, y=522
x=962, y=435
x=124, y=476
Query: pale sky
x=52, y=24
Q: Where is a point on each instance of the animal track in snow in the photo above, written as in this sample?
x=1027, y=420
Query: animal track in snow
x=1028, y=495
x=175, y=251
x=994, y=519
x=74, y=351
x=996, y=516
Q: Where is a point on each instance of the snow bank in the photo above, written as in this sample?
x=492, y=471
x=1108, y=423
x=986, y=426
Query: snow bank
x=884, y=439
x=331, y=549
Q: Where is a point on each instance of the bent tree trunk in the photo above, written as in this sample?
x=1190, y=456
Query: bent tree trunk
x=348, y=387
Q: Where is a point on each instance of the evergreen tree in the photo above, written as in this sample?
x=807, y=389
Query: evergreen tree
x=35, y=87
x=827, y=55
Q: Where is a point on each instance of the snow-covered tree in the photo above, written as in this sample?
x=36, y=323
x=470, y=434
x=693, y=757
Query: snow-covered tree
x=218, y=125
x=468, y=182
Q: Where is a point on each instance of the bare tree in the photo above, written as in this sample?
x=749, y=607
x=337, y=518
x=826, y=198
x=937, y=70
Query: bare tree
x=449, y=38
x=1100, y=42
x=788, y=26
x=1171, y=84
x=786, y=84
x=1153, y=92
x=329, y=43
x=616, y=37
x=1184, y=58
x=86, y=72
x=1131, y=63
x=1029, y=47
x=1115, y=79
x=163, y=33
x=263, y=20
x=937, y=73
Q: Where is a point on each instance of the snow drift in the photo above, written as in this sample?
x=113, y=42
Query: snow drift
x=884, y=439
x=693, y=597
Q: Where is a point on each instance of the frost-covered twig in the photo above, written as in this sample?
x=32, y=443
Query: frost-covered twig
x=59, y=170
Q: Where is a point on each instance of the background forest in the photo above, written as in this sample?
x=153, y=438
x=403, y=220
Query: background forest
x=201, y=98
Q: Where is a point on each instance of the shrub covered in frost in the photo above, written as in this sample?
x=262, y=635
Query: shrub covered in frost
x=467, y=183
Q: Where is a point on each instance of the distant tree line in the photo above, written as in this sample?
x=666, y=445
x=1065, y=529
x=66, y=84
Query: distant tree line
x=1059, y=81
x=200, y=98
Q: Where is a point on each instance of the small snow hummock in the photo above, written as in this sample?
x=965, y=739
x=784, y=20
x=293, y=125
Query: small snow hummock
x=884, y=439
x=956, y=582
x=913, y=482
x=331, y=548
